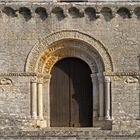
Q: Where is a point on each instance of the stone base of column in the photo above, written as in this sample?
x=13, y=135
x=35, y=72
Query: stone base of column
x=40, y=117
x=41, y=123
x=34, y=116
x=108, y=118
x=101, y=118
x=95, y=115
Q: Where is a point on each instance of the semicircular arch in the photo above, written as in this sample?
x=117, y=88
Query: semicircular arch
x=65, y=52
x=44, y=50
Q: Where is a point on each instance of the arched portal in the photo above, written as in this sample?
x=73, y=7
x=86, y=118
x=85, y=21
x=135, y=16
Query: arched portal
x=61, y=45
x=71, y=98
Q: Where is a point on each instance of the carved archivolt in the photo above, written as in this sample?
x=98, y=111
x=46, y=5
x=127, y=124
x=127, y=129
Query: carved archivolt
x=68, y=44
x=68, y=52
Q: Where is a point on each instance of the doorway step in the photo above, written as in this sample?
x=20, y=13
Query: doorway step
x=69, y=134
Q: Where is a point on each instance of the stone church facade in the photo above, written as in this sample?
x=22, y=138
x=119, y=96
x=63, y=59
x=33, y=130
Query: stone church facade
x=35, y=36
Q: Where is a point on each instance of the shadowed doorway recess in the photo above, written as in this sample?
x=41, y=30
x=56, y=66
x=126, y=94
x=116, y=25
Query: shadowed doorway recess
x=71, y=99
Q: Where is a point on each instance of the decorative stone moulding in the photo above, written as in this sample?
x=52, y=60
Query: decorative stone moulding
x=5, y=81
x=58, y=13
x=123, y=73
x=41, y=12
x=61, y=11
x=26, y=13
x=119, y=73
x=37, y=59
x=18, y=74
x=90, y=12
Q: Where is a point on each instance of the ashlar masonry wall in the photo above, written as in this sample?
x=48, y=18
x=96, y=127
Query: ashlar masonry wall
x=115, y=25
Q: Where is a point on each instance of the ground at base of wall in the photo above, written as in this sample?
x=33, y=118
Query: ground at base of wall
x=71, y=134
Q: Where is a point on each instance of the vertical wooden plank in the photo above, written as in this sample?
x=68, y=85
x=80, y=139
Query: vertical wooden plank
x=74, y=90
x=60, y=95
x=81, y=94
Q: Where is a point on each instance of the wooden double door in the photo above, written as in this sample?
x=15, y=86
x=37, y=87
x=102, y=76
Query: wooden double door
x=71, y=101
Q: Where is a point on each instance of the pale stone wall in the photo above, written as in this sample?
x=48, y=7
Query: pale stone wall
x=21, y=29
x=20, y=34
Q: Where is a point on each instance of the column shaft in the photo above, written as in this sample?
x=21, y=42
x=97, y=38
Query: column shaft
x=95, y=96
x=40, y=101
x=48, y=102
x=34, y=99
x=107, y=94
x=101, y=96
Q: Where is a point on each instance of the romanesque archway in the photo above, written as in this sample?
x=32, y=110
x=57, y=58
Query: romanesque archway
x=43, y=48
x=62, y=45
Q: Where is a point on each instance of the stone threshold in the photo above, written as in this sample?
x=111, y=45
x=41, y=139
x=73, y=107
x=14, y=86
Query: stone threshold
x=69, y=132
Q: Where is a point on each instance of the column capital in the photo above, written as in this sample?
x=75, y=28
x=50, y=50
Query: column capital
x=100, y=77
x=107, y=79
x=40, y=80
x=46, y=78
x=93, y=75
x=94, y=78
x=34, y=79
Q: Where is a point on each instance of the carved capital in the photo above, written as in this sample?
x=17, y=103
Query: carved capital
x=34, y=79
x=100, y=77
x=47, y=78
x=93, y=77
x=40, y=80
x=107, y=79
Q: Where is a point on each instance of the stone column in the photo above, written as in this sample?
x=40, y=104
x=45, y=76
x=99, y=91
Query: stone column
x=34, y=98
x=101, y=95
x=95, y=96
x=107, y=97
x=47, y=82
x=40, y=99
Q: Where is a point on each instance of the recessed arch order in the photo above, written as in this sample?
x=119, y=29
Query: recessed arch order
x=68, y=43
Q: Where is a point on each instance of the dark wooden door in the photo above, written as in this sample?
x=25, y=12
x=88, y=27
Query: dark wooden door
x=71, y=94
